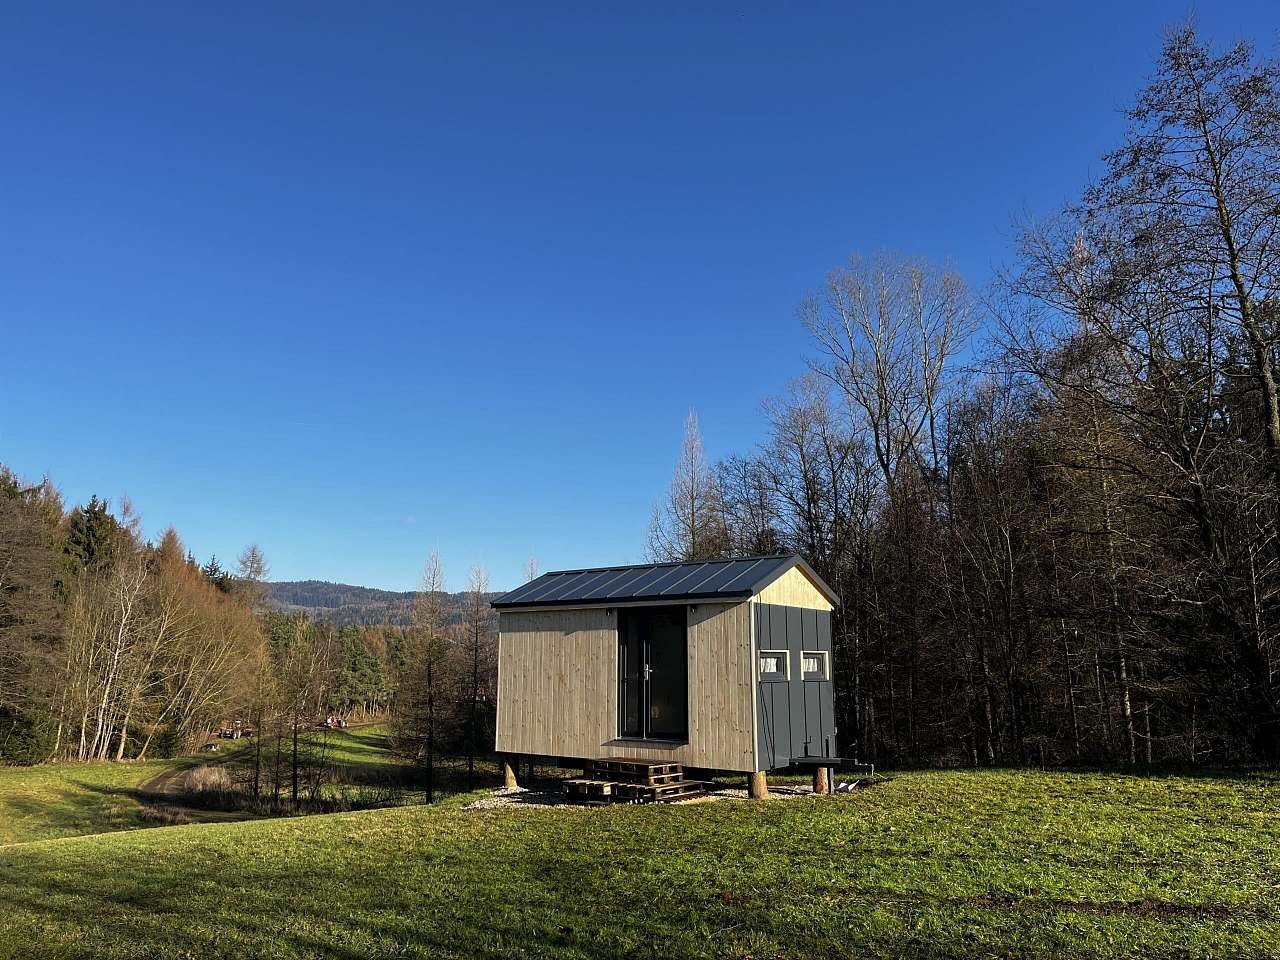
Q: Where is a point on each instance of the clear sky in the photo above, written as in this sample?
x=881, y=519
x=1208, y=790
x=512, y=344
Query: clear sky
x=357, y=280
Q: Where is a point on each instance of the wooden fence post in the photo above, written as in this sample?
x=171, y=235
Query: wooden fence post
x=758, y=785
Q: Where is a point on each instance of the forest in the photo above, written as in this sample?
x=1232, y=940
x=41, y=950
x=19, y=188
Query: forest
x=1049, y=507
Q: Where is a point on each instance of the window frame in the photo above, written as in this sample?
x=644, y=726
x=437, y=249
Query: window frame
x=773, y=676
x=824, y=657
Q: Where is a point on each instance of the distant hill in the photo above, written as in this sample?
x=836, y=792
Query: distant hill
x=343, y=603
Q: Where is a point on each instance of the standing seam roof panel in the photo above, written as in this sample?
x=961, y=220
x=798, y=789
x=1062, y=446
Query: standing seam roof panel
x=619, y=582
x=641, y=587
x=690, y=581
x=726, y=577
x=549, y=590
x=751, y=575
x=701, y=580
x=670, y=577
x=584, y=583
x=533, y=589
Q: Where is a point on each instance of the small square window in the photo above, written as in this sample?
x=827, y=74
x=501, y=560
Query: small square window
x=813, y=665
x=773, y=665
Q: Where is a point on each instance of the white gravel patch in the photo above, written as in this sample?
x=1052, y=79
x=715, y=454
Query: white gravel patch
x=553, y=797
x=520, y=797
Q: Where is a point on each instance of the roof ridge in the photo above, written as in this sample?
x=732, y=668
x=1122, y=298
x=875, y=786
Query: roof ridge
x=669, y=563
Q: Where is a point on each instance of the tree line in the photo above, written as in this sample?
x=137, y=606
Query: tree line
x=1056, y=542
x=116, y=647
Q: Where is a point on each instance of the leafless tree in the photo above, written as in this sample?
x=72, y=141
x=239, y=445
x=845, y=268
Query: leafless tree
x=419, y=707
x=688, y=524
x=477, y=649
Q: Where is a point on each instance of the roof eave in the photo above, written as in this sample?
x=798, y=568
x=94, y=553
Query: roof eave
x=627, y=602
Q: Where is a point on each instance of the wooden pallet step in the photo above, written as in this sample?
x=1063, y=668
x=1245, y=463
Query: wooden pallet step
x=589, y=786
x=651, y=781
x=660, y=793
x=636, y=771
x=677, y=789
x=647, y=767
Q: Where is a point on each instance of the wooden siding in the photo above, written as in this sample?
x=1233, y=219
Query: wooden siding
x=558, y=687
x=794, y=589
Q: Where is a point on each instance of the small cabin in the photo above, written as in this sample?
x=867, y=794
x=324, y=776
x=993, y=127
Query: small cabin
x=722, y=665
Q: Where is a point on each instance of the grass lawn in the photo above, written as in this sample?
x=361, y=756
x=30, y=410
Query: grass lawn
x=55, y=800
x=69, y=799
x=366, y=746
x=990, y=864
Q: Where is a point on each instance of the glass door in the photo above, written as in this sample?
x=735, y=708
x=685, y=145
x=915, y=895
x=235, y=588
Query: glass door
x=653, y=673
x=631, y=676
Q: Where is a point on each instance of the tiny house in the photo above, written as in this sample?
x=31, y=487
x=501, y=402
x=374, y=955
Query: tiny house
x=723, y=665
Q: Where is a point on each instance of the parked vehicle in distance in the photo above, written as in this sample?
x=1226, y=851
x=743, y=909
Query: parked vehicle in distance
x=235, y=731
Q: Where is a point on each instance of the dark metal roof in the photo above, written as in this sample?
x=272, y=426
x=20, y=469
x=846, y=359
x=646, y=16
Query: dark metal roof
x=696, y=580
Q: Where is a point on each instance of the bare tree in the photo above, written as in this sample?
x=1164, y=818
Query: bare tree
x=1187, y=211
x=252, y=571
x=688, y=524
x=477, y=650
x=419, y=707
x=888, y=328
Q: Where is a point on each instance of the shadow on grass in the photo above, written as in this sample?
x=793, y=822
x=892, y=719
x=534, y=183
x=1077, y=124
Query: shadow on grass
x=1251, y=773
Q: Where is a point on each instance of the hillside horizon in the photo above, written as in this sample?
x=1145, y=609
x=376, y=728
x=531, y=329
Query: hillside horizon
x=351, y=604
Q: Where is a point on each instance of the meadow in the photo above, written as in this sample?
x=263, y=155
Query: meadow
x=70, y=799
x=928, y=864
x=57, y=800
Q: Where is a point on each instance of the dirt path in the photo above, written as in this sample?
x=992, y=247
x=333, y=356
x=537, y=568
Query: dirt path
x=165, y=790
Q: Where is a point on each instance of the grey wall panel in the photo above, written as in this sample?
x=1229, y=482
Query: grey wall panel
x=793, y=617
x=796, y=718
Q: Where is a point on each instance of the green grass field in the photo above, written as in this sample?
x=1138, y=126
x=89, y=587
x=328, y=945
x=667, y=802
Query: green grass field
x=56, y=800
x=990, y=864
x=70, y=799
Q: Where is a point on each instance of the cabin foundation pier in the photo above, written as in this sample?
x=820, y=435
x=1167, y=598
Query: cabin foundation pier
x=820, y=782
x=509, y=765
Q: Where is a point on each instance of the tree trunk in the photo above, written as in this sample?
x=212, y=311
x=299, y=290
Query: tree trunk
x=124, y=736
x=1071, y=693
x=431, y=736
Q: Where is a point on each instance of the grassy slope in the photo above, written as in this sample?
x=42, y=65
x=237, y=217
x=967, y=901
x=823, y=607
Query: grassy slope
x=73, y=799
x=932, y=864
x=70, y=799
x=356, y=746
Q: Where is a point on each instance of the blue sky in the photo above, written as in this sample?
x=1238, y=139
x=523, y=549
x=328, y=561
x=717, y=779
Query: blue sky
x=356, y=281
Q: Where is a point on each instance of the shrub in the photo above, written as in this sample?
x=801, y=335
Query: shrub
x=207, y=779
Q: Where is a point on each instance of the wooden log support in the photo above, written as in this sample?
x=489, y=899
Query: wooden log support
x=820, y=784
x=509, y=772
x=758, y=785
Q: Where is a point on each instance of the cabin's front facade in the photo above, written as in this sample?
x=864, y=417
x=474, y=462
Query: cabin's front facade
x=723, y=665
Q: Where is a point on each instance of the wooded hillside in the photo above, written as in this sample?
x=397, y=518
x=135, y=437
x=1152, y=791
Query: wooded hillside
x=344, y=604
